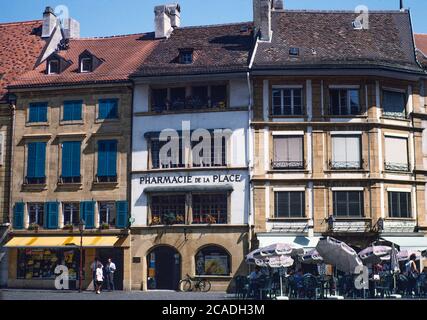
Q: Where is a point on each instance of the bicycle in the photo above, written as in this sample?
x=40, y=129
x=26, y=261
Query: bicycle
x=194, y=284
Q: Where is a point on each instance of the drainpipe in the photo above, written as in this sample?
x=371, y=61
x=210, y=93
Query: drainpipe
x=11, y=137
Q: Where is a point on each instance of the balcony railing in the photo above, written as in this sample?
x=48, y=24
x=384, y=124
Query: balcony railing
x=106, y=179
x=403, y=167
x=346, y=165
x=35, y=181
x=287, y=165
x=395, y=115
x=70, y=180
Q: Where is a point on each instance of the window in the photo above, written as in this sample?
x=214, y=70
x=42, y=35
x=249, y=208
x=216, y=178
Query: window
x=348, y=203
x=289, y=204
x=396, y=154
x=210, y=208
x=394, y=104
x=107, y=161
x=293, y=51
x=72, y=111
x=168, y=209
x=171, y=161
x=36, y=162
x=346, y=152
x=344, y=102
x=71, y=214
x=213, y=156
x=213, y=261
x=159, y=99
x=71, y=152
x=108, y=109
x=186, y=56
x=53, y=67
x=36, y=214
x=288, y=152
x=107, y=214
x=86, y=65
x=200, y=97
x=219, y=96
x=37, y=112
x=177, y=97
x=287, y=102
x=399, y=204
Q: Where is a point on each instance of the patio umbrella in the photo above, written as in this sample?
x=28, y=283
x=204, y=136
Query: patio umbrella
x=339, y=254
x=311, y=257
x=250, y=258
x=280, y=249
x=374, y=254
x=405, y=255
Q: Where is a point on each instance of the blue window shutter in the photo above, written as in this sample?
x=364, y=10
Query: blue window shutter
x=77, y=112
x=112, y=158
x=66, y=159
x=122, y=214
x=18, y=216
x=103, y=109
x=75, y=159
x=42, y=112
x=72, y=110
x=34, y=113
x=87, y=210
x=108, y=109
x=52, y=215
x=113, y=109
x=40, y=160
x=102, y=159
x=68, y=111
x=31, y=160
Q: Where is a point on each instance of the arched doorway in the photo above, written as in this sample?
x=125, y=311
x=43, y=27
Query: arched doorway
x=164, y=268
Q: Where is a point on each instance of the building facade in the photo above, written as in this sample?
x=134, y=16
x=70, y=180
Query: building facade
x=71, y=160
x=337, y=136
x=190, y=207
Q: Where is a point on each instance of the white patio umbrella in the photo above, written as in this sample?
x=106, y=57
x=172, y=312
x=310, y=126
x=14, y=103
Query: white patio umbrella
x=374, y=254
x=405, y=255
x=311, y=257
x=280, y=249
x=338, y=254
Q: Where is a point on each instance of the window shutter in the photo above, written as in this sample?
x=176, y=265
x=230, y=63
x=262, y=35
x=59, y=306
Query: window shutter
x=42, y=110
x=87, y=210
x=396, y=150
x=77, y=112
x=75, y=159
x=280, y=149
x=66, y=159
x=353, y=149
x=33, y=114
x=18, y=216
x=102, y=159
x=295, y=149
x=52, y=215
x=339, y=149
x=68, y=111
x=112, y=159
x=102, y=109
x=31, y=160
x=40, y=159
x=122, y=214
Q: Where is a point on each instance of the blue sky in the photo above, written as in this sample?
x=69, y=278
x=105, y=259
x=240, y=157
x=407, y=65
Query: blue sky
x=113, y=17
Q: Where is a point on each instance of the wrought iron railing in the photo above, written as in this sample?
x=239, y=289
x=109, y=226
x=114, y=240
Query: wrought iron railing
x=395, y=115
x=346, y=165
x=288, y=165
x=390, y=166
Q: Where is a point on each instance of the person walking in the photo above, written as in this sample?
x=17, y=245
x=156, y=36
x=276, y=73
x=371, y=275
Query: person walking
x=411, y=271
x=110, y=269
x=99, y=275
x=93, y=267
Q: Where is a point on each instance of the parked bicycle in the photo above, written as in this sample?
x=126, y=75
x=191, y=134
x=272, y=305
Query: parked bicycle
x=194, y=284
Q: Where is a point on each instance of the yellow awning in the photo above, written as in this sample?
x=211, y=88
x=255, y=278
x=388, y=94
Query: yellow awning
x=60, y=242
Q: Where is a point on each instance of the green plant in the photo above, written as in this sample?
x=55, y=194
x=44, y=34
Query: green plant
x=105, y=226
x=155, y=221
x=68, y=226
x=33, y=227
x=169, y=218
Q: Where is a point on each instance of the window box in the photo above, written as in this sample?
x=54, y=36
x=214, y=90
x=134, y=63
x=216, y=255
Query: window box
x=104, y=226
x=33, y=227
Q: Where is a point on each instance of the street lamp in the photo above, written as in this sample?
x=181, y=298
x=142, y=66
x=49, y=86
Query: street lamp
x=82, y=227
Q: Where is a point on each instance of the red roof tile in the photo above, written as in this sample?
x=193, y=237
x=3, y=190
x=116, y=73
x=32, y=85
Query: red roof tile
x=20, y=47
x=121, y=56
x=421, y=43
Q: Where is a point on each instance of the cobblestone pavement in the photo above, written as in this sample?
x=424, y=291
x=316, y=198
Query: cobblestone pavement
x=9, y=294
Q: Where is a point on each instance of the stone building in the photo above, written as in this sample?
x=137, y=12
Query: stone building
x=191, y=216
x=337, y=128
x=71, y=143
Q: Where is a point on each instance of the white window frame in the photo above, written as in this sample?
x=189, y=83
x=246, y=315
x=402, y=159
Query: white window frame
x=81, y=65
x=282, y=99
x=348, y=88
x=49, y=67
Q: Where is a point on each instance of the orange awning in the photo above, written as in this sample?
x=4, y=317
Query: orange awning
x=63, y=242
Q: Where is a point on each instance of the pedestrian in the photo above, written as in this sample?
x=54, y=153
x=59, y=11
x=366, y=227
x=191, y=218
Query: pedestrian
x=110, y=269
x=99, y=278
x=93, y=267
x=411, y=271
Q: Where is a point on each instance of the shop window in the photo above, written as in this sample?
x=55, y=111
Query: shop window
x=287, y=102
x=167, y=209
x=344, y=102
x=40, y=264
x=72, y=111
x=396, y=154
x=213, y=156
x=71, y=152
x=210, y=208
x=213, y=261
x=399, y=204
x=71, y=213
x=36, y=163
x=348, y=204
x=346, y=152
x=108, y=109
x=36, y=214
x=172, y=157
x=107, y=214
x=38, y=112
x=289, y=204
x=394, y=104
x=288, y=152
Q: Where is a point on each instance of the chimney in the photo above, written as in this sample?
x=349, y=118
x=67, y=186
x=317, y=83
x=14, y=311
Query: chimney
x=49, y=22
x=71, y=28
x=262, y=18
x=278, y=5
x=167, y=18
x=402, y=8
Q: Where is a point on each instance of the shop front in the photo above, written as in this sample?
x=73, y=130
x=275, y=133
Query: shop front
x=40, y=262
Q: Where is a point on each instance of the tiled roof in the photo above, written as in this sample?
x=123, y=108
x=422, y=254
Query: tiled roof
x=20, y=47
x=327, y=38
x=217, y=49
x=120, y=56
x=421, y=45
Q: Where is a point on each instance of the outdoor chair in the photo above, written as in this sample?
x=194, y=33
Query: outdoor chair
x=422, y=285
x=385, y=287
x=311, y=286
x=242, y=287
x=292, y=287
x=404, y=286
x=266, y=288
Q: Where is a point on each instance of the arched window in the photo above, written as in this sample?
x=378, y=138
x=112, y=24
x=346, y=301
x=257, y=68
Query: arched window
x=213, y=261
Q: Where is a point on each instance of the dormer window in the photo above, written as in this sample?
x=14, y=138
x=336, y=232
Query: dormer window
x=186, y=56
x=86, y=65
x=53, y=66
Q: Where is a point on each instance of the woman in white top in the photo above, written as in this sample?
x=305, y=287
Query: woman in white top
x=99, y=278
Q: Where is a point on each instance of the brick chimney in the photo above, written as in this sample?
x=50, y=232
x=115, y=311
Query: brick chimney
x=262, y=18
x=49, y=22
x=167, y=18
